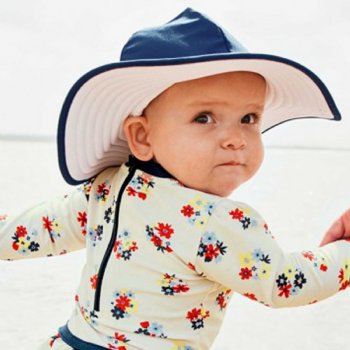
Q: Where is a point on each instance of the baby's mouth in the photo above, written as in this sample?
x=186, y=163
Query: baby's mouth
x=232, y=163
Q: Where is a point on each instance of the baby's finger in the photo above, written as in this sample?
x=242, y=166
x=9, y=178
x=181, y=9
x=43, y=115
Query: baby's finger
x=334, y=233
x=345, y=219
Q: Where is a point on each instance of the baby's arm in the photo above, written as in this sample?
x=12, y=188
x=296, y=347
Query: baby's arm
x=238, y=251
x=51, y=228
x=339, y=230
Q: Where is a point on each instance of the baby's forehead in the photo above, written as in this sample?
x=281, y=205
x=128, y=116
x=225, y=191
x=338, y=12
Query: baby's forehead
x=239, y=89
x=220, y=88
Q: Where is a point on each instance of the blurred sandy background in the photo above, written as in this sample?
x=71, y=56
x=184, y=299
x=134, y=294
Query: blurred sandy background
x=302, y=187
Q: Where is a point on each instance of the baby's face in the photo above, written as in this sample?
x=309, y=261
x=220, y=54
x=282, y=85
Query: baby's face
x=206, y=132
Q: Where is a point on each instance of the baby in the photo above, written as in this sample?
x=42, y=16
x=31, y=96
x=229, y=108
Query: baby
x=165, y=247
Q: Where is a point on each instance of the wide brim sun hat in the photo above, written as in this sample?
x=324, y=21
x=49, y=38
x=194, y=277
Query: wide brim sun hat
x=90, y=136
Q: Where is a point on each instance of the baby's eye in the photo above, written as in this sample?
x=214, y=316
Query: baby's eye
x=250, y=118
x=204, y=118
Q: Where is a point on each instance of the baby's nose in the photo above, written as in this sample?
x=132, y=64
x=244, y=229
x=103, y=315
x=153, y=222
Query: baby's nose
x=234, y=138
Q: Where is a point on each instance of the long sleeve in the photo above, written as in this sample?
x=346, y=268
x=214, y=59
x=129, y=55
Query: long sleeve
x=238, y=251
x=51, y=228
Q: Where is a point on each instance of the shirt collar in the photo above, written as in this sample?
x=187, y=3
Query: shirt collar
x=150, y=167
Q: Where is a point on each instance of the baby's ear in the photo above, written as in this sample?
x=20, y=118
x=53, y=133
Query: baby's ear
x=136, y=132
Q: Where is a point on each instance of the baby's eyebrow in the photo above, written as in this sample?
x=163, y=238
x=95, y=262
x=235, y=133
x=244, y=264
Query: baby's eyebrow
x=209, y=103
x=256, y=106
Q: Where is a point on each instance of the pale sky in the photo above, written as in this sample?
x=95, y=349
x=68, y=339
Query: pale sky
x=47, y=45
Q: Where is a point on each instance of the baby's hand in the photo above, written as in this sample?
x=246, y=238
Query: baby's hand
x=339, y=230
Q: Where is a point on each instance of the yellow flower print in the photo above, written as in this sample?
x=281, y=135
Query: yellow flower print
x=56, y=227
x=179, y=345
x=163, y=281
x=246, y=211
x=127, y=244
x=289, y=271
x=264, y=271
x=201, y=222
x=198, y=203
x=23, y=243
x=204, y=313
x=246, y=260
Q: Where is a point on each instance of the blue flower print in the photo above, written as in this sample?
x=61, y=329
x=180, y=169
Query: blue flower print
x=152, y=329
x=257, y=255
x=209, y=238
x=155, y=328
x=95, y=234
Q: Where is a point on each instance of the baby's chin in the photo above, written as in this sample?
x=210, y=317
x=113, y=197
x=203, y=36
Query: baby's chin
x=223, y=190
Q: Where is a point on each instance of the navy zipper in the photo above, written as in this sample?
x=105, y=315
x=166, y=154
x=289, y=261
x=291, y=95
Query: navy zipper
x=110, y=246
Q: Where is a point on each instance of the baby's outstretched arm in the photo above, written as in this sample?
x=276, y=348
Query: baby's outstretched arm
x=238, y=251
x=52, y=228
x=339, y=230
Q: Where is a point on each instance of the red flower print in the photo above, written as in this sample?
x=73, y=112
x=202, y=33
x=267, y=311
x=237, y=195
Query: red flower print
x=341, y=275
x=156, y=240
x=93, y=281
x=76, y=298
x=131, y=191
x=221, y=301
x=167, y=277
x=309, y=255
x=344, y=285
x=113, y=347
x=117, y=244
x=161, y=243
x=123, y=302
x=133, y=247
x=196, y=317
x=246, y=273
x=140, y=186
x=187, y=210
x=142, y=195
x=21, y=231
x=103, y=189
x=251, y=296
x=53, y=338
x=181, y=288
x=120, y=337
x=285, y=290
x=191, y=266
x=193, y=314
x=164, y=230
x=168, y=249
x=144, y=324
x=82, y=218
x=47, y=223
x=323, y=268
x=211, y=253
x=236, y=214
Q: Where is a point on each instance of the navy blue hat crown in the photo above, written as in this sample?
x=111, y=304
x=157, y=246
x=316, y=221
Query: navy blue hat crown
x=188, y=34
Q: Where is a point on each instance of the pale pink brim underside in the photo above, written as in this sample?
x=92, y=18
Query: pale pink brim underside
x=94, y=139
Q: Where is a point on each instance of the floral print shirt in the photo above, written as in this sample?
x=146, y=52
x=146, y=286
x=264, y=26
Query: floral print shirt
x=163, y=260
